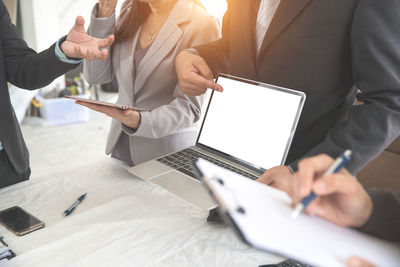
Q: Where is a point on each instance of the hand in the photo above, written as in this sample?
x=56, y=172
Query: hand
x=278, y=177
x=80, y=45
x=194, y=75
x=357, y=262
x=106, y=8
x=129, y=118
x=341, y=199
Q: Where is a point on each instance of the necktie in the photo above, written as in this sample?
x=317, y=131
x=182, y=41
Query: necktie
x=266, y=12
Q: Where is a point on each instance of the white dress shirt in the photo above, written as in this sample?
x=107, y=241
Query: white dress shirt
x=266, y=12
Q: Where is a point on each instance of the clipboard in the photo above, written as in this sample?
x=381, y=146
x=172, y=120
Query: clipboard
x=11, y=252
x=260, y=216
x=107, y=104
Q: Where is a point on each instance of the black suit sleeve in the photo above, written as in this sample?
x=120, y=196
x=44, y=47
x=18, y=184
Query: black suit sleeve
x=371, y=127
x=385, y=218
x=24, y=67
x=216, y=53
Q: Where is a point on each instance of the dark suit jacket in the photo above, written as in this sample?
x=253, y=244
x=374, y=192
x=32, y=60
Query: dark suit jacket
x=385, y=218
x=22, y=67
x=323, y=48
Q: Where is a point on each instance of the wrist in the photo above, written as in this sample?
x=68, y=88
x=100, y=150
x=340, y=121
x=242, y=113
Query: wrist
x=61, y=53
x=366, y=212
x=104, y=12
x=135, y=123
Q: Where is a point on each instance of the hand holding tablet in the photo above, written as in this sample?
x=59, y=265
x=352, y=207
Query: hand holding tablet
x=129, y=116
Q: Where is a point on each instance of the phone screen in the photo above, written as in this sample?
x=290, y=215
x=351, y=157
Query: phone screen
x=19, y=221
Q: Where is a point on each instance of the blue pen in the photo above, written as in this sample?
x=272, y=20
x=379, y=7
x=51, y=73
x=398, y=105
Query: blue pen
x=73, y=206
x=337, y=165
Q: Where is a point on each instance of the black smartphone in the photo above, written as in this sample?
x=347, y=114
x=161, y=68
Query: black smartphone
x=19, y=221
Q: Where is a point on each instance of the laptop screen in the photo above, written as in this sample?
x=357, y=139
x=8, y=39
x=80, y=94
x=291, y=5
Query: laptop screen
x=250, y=122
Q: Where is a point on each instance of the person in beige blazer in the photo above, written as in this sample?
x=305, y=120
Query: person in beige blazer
x=149, y=34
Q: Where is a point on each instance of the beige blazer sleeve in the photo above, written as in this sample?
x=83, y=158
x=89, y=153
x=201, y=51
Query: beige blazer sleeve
x=184, y=110
x=97, y=72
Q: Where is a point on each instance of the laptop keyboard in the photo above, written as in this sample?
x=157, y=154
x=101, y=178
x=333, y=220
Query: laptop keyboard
x=182, y=161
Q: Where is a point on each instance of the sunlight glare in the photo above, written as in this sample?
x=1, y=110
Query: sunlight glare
x=216, y=8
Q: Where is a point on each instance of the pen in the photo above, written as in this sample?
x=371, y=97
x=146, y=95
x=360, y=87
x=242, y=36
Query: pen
x=336, y=166
x=73, y=206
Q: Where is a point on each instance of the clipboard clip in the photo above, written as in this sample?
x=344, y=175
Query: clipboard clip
x=238, y=208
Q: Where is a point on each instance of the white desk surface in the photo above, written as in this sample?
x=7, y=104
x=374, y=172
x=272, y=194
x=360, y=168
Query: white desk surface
x=123, y=222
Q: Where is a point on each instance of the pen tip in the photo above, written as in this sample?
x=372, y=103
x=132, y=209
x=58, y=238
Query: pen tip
x=296, y=212
x=347, y=153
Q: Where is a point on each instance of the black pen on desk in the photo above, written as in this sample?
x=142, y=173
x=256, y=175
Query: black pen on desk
x=336, y=166
x=73, y=206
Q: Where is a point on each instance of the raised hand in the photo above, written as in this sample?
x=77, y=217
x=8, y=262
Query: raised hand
x=106, y=8
x=81, y=45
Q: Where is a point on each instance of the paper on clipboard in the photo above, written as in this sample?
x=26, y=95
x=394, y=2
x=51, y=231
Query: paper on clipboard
x=266, y=224
x=102, y=103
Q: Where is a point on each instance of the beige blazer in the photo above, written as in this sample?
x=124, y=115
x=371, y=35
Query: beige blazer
x=170, y=125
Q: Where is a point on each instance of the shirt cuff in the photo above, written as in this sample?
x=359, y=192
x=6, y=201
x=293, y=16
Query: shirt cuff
x=61, y=56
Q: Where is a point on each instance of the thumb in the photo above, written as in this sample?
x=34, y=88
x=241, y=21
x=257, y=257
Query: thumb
x=79, y=23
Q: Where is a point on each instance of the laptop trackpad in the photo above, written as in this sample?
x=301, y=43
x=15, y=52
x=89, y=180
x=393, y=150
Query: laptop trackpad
x=185, y=188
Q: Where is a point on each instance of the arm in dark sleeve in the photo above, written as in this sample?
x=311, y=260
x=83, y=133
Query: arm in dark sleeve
x=385, y=218
x=216, y=53
x=24, y=67
x=371, y=127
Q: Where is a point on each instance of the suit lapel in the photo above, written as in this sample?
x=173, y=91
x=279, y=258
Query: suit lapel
x=285, y=14
x=166, y=40
x=126, y=52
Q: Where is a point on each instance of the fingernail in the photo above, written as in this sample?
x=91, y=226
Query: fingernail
x=355, y=262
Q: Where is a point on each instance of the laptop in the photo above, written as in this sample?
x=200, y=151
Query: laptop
x=248, y=128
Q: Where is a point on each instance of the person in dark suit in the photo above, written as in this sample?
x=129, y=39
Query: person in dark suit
x=24, y=68
x=341, y=199
x=327, y=49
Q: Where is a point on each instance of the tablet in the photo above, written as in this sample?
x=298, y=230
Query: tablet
x=102, y=103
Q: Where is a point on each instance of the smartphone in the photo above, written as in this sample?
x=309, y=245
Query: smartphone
x=19, y=221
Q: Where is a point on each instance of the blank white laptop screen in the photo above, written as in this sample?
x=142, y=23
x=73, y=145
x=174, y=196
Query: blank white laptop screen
x=252, y=122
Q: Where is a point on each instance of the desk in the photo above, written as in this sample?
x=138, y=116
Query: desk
x=123, y=222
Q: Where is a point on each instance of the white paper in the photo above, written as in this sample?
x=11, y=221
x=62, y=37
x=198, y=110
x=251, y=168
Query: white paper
x=267, y=225
x=5, y=263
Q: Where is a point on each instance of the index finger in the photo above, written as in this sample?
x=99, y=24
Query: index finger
x=196, y=80
x=104, y=43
